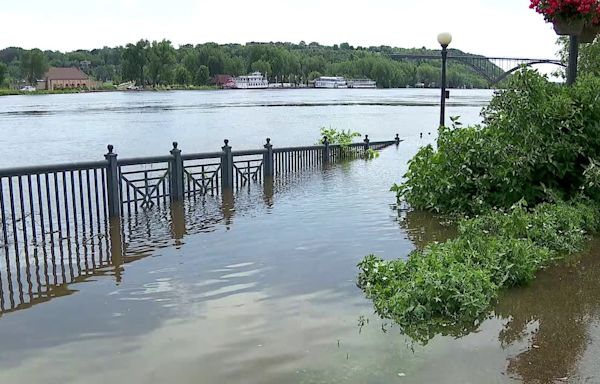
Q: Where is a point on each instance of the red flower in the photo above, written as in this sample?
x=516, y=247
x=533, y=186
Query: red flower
x=567, y=9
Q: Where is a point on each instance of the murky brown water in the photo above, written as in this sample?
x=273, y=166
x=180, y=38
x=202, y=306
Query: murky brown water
x=259, y=287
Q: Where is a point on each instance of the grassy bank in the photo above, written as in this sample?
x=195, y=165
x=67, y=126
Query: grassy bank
x=12, y=92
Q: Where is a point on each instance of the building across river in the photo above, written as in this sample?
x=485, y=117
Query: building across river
x=63, y=78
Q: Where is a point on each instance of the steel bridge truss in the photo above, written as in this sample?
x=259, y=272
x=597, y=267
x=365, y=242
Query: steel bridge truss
x=493, y=69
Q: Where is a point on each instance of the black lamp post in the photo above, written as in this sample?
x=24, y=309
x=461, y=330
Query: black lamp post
x=573, y=55
x=444, y=39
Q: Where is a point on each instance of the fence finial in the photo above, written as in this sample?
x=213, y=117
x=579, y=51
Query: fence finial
x=226, y=142
x=268, y=169
x=397, y=139
x=110, y=148
x=175, y=144
x=325, y=140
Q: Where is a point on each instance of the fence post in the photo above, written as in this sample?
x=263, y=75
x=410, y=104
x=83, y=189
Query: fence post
x=397, y=139
x=268, y=160
x=366, y=140
x=226, y=166
x=112, y=183
x=325, y=150
x=176, y=174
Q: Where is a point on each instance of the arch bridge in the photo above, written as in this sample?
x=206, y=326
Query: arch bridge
x=493, y=69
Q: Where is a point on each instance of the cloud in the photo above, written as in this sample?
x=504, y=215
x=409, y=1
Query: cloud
x=507, y=28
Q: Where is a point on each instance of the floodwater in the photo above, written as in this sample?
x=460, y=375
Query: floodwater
x=259, y=286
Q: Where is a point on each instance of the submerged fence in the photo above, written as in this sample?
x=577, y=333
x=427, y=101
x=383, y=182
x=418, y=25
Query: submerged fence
x=59, y=221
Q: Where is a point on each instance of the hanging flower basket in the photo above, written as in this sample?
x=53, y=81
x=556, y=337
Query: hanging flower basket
x=568, y=16
x=568, y=27
x=589, y=33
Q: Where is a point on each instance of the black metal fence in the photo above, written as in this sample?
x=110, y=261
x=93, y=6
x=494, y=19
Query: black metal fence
x=59, y=222
x=44, y=202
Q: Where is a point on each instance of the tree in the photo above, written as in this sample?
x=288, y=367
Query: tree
x=161, y=59
x=202, y=75
x=182, y=75
x=427, y=74
x=589, y=56
x=34, y=65
x=234, y=66
x=104, y=72
x=262, y=66
x=190, y=61
x=134, y=61
x=3, y=70
x=314, y=75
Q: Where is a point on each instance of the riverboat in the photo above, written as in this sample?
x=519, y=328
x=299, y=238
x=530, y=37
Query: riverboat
x=330, y=82
x=253, y=81
x=362, y=83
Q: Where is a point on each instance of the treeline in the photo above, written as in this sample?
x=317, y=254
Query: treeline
x=160, y=63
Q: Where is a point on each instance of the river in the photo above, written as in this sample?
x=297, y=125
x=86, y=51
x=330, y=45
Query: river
x=261, y=288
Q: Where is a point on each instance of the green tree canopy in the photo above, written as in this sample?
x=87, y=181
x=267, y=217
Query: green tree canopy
x=156, y=63
x=135, y=58
x=3, y=70
x=202, y=75
x=34, y=65
x=182, y=75
x=161, y=62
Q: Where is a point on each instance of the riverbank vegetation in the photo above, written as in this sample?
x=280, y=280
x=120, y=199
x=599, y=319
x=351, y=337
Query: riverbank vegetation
x=525, y=187
x=160, y=63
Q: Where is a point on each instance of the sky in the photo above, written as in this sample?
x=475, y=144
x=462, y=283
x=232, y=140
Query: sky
x=506, y=28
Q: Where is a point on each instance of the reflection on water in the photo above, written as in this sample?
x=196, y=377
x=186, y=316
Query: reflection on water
x=550, y=324
x=557, y=317
x=423, y=228
x=46, y=270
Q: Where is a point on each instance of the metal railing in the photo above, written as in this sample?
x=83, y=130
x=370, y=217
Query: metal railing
x=62, y=223
x=42, y=204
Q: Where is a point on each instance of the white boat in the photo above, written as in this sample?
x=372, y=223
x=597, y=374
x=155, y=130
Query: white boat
x=362, y=83
x=253, y=81
x=330, y=82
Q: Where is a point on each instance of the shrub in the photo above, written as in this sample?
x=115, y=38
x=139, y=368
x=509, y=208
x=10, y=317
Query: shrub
x=536, y=140
x=338, y=136
x=451, y=285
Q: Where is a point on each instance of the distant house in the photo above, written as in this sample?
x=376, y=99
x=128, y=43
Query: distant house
x=61, y=78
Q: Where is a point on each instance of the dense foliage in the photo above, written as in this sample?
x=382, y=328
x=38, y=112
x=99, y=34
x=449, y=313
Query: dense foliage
x=338, y=136
x=536, y=140
x=160, y=63
x=448, y=287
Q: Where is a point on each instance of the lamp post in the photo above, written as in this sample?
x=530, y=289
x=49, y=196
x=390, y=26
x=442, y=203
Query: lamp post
x=573, y=55
x=444, y=39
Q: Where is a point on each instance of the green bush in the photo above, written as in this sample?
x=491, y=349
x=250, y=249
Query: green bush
x=445, y=286
x=338, y=136
x=536, y=140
